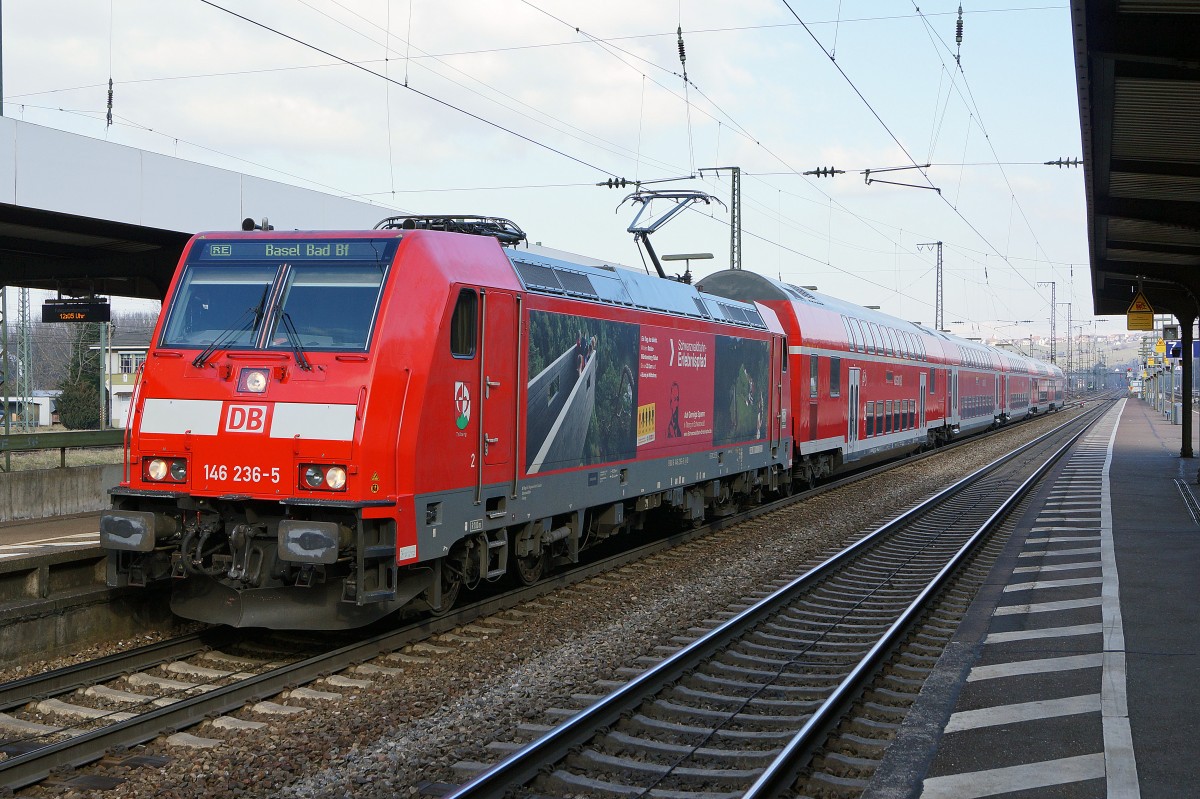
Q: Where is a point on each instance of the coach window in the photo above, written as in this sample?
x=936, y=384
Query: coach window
x=462, y=325
x=835, y=376
x=870, y=417
x=896, y=408
x=887, y=417
x=812, y=375
x=868, y=338
x=933, y=381
x=912, y=414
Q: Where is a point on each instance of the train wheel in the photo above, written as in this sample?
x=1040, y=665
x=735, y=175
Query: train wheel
x=529, y=569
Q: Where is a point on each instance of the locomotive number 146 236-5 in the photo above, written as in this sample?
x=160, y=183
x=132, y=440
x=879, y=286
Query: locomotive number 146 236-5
x=241, y=474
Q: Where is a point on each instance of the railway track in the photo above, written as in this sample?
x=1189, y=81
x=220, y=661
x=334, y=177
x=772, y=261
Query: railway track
x=117, y=702
x=741, y=709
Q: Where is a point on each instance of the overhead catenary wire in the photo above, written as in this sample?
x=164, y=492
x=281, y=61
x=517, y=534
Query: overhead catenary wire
x=426, y=95
x=736, y=126
x=559, y=125
x=976, y=113
x=829, y=200
x=903, y=149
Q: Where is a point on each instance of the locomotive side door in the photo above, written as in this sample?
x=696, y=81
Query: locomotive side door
x=498, y=363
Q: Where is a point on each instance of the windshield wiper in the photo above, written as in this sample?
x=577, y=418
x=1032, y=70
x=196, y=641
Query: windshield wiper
x=239, y=326
x=294, y=340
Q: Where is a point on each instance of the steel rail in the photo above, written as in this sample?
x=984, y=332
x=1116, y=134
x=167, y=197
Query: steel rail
x=777, y=778
x=528, y=761
x=60, y=681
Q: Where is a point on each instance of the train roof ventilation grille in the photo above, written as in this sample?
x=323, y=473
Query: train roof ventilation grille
x=575, y=283
x=534, y=276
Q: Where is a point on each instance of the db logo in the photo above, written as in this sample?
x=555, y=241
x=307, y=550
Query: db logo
x=246, y=419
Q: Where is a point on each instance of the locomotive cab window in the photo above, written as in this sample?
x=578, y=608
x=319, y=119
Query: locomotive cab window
x=328, y=307
x=463, y=325
x=260, y=293
x=219, y=302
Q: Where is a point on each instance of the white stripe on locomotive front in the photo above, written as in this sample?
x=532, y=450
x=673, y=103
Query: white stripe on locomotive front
x=307, y=421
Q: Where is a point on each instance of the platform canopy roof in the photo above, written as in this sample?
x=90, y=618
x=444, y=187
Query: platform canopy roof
x=1137, y=65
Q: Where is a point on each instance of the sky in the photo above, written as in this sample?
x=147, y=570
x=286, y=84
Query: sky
x=518, y=108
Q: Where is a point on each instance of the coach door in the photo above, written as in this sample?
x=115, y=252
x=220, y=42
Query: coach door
x=776, y=419
x=953, y=387
x=852, y=432
x=921, y=402
x=499, y=376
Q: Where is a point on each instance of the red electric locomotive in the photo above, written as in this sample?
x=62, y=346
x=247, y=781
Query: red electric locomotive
x=332, y=426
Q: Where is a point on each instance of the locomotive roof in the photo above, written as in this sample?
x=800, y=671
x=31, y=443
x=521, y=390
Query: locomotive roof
x=545, y=271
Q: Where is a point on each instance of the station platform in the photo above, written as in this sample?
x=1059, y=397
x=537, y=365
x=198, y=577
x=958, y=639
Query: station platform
x=1076, y=672
x=34, y=537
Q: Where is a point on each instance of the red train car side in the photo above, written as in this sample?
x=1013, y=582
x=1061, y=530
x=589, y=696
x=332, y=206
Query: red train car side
x=867, y=386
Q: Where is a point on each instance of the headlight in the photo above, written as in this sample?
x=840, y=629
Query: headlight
x=168, y=470
x=314, y=477
x=335, y=477
x=156, y=469
x=253, y=380
x=322, y=477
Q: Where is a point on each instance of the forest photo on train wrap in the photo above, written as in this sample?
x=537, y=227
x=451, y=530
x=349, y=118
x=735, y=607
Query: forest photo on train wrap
x=740, y=395
x=581, y=393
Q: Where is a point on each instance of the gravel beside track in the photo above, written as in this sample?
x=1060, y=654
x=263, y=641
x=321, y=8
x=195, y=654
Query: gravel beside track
x=451, y=697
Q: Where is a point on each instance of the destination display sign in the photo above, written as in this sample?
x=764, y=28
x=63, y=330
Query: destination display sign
x=292, y=250
x=75, y=311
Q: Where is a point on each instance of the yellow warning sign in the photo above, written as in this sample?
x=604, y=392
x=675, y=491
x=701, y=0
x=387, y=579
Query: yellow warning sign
x=1139, y=321
x=1160, y=347
x=1140, y=315
x=1140, y=305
